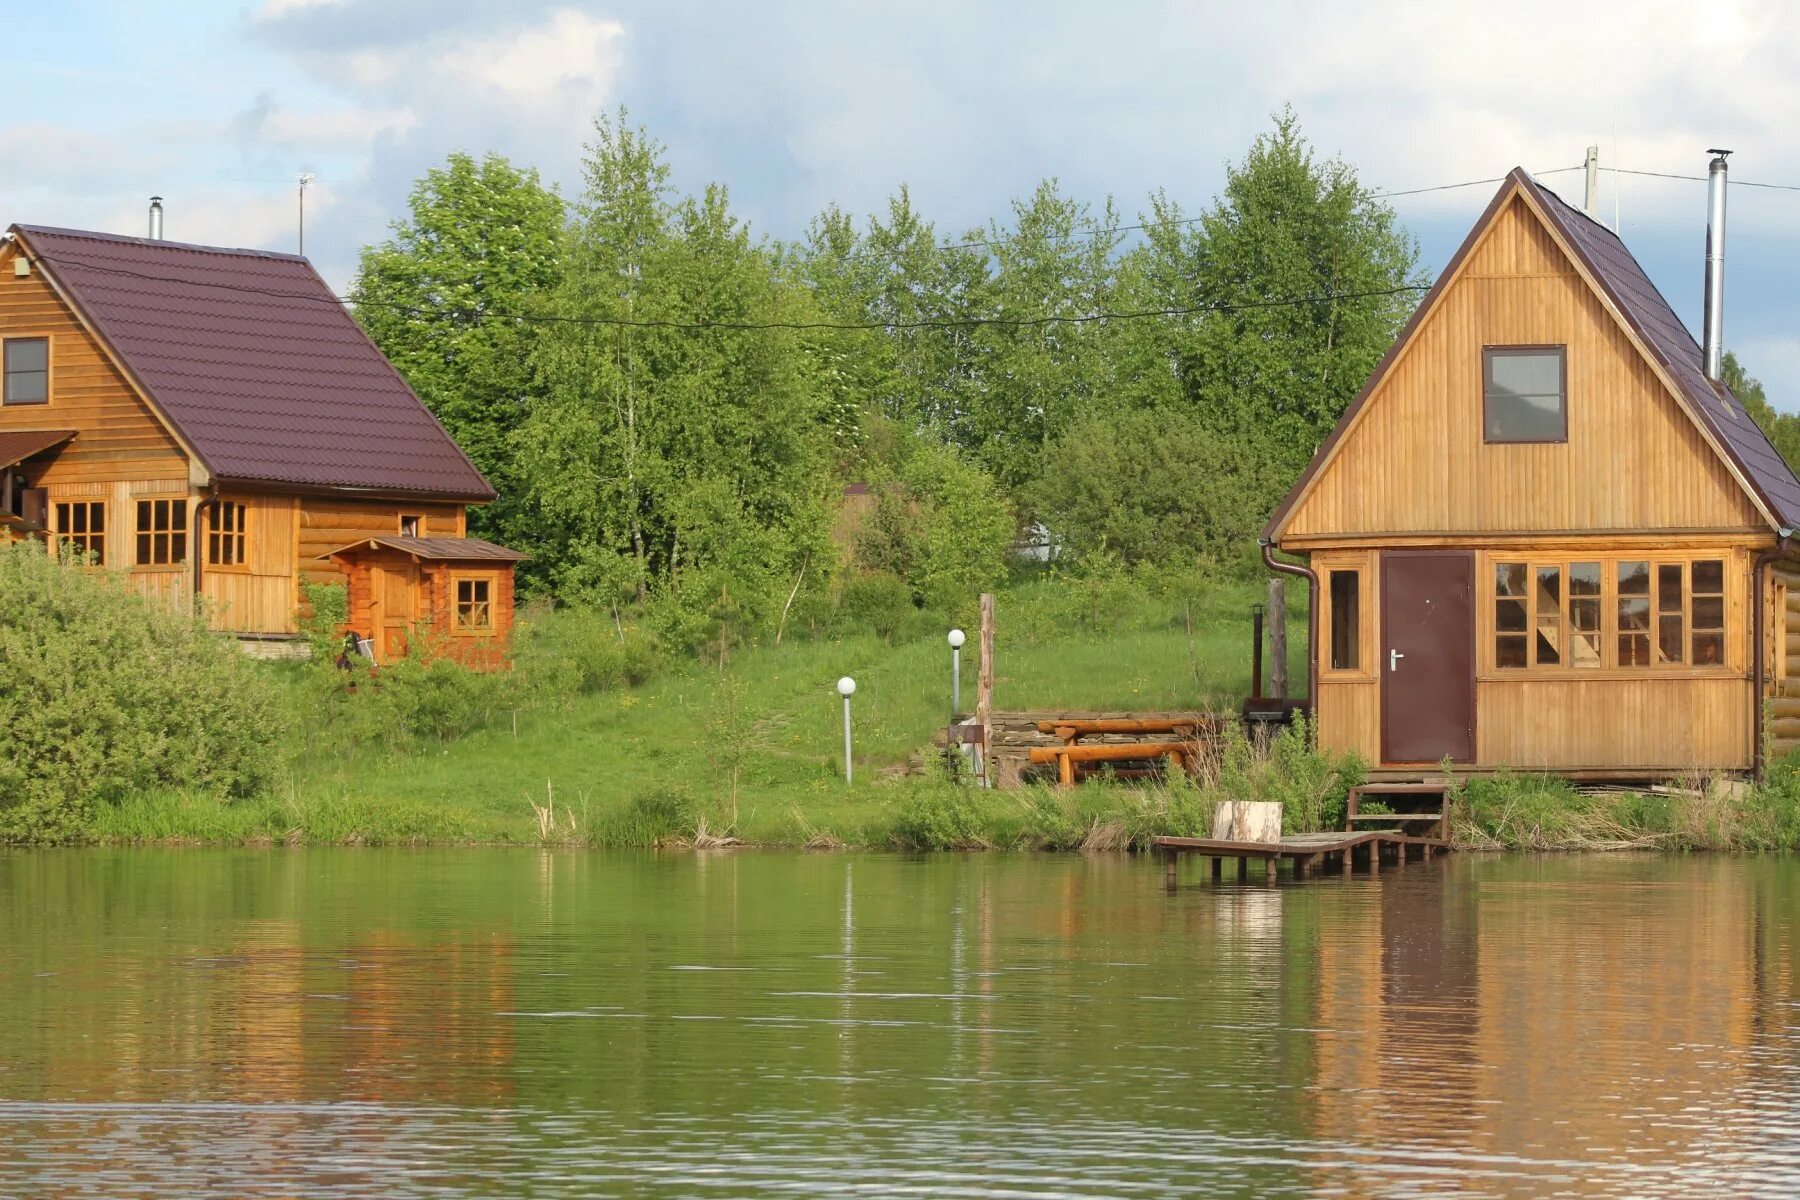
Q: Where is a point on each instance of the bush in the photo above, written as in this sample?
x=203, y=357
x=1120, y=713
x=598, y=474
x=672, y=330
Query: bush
x=875, y=602
x=104, y=695
x=940, y=816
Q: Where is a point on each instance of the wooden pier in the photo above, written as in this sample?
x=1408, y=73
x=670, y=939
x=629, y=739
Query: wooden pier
x=1305, y=852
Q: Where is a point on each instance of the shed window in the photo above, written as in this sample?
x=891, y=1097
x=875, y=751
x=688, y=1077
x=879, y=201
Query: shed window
x=1524, y=394
x=474, y=610
x=27, y=362
x=225, y=539
x=161, y=532
x=410, y=524
x=1346, y=620
x=81, y=525
x=1626, y=614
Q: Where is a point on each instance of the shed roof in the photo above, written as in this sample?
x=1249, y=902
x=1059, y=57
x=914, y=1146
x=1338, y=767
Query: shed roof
x=1641, y=306
x=256, y=364
x=20, y=444
x=435, y=549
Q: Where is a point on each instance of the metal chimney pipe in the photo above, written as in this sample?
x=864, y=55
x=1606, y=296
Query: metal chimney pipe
x=1713, y=335
x=156, y=218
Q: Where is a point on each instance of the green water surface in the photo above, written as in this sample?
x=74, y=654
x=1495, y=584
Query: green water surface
x=367, y=1023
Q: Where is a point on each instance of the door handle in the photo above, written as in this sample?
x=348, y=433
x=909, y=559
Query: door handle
x=1394, y=657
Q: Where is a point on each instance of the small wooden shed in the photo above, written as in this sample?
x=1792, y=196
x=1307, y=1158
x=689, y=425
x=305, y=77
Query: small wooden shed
x=1545, y=536
x=448, y=595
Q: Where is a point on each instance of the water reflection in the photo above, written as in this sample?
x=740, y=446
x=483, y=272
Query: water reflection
x=366, y=1023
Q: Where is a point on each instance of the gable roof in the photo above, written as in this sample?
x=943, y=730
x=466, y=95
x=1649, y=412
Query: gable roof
x=255, y=365
x=1640, y=306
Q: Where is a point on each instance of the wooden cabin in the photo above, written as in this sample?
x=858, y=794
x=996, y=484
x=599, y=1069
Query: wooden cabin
x=1542, y=537
x=214, y=425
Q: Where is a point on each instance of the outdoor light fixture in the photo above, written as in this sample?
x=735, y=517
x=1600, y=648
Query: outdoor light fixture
x=846, y=688
x=957, y=638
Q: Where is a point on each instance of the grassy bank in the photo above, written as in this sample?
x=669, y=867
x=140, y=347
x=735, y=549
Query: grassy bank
x=751, y=750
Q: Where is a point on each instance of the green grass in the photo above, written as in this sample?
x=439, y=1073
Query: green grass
x=635, y=766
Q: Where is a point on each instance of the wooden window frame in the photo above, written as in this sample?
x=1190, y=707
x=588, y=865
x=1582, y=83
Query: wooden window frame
x=138, y=532
x=486, y=579
x=60, y=536
x=1609, y=666
x=418, y=520
x=1368, y=601
x=1488, y=355
x=49, y=341
x=215, y=537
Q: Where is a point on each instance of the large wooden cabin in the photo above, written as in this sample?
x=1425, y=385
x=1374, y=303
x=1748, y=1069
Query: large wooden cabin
x=1543, y=537
x=213, y=423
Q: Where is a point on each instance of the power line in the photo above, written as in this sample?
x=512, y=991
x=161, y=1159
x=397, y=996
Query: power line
x=1779, y=187
x=1115, y=229
x=745, y=326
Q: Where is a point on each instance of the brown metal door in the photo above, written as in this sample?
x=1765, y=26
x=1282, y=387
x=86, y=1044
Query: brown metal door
x=1427, y=656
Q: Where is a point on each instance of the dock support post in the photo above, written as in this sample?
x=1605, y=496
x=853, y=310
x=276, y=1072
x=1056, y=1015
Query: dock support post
x=1169, y=860
x=1243, y=869
x=1218, y=868
x=1271, y=860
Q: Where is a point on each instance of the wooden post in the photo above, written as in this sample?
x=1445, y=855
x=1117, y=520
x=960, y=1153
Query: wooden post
x=1271, y=861
x=1169, y=860
x=984, y=685
x=1278, y=679
x=1243, y=869
x=1218, y=868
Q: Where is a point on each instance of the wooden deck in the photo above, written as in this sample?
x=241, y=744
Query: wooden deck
x=1305, y=852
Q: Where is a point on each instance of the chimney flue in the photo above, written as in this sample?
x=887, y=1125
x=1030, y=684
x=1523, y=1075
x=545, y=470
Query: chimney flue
x=156, y=218
x=1713, y=334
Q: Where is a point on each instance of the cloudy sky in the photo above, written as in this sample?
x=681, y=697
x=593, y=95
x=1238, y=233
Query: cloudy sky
x=217, y=104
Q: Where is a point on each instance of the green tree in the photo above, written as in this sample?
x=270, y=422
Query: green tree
x=1782, y=429
x=1287, y=225
x=693, y=462
x=481, y=241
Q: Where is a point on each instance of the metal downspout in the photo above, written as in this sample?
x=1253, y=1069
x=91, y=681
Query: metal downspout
x=1312, y=619
x=1759, y=649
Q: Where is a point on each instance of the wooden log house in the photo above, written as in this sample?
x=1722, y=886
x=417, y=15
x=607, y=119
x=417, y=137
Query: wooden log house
x=1546, y=535
x=213, y=423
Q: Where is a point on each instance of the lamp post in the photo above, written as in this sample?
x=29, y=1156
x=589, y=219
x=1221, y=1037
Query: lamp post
x=846, y=688
x=957, y=638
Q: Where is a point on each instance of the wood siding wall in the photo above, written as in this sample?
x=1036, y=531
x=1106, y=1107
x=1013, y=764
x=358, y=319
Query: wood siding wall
x=1666, y=719
x=261, y=595
x=1414, y=462
x=328, y=524
x=1782, y=691
x=119, y=438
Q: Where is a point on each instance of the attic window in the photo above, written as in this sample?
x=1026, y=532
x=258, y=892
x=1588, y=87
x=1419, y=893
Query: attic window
x=1524, y=394
x=27, y=369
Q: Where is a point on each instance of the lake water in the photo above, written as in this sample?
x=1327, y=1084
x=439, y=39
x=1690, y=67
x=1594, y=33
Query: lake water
x=370, y=1023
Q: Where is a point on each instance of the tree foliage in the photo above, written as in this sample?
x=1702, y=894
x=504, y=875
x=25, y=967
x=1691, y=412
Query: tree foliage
x=480, y=244
x=1782, y=429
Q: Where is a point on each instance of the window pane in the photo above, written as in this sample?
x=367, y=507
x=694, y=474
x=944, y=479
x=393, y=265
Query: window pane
x=1548, y=620
x=1584, y=579
x=1634, y=637
x=1709, y=612
x=1524, y=396
x=1584, y=629
x=1709, y=649
x=1668, y=639
x=1509, y=579
x=27, y=354
x=1668, y=588
x=1634, y=579
x=1509, y=650
x=1509, y=616
x=1709, y=575
x=1345, y=620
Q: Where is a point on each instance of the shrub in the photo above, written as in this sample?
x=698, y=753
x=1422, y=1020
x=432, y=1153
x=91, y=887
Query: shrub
x=1312, y=786
x=104, y=695
x=940, y=816
x=875, y=602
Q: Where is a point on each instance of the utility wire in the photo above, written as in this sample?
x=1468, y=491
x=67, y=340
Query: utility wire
x=1779, y=187
x=1089, y=233
x=740, y=326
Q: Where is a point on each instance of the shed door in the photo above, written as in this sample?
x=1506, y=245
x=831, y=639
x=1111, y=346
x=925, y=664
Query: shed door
x=393, y=588
x=1427, y=656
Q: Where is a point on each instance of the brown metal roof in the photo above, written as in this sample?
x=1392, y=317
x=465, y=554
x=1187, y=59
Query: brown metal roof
x=436, y=549
x=256, y=364
x=1643, y=308
x=18, y=445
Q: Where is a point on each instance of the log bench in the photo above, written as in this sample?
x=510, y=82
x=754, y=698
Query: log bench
x=1068, y=754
